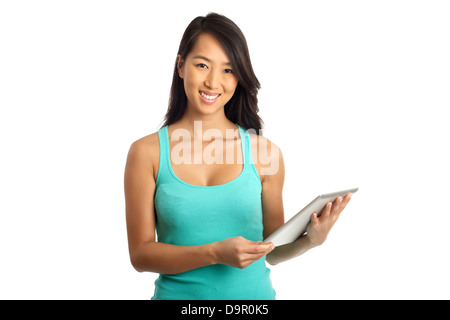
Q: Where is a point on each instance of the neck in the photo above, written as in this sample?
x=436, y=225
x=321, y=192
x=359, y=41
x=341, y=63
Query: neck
x=197, y=123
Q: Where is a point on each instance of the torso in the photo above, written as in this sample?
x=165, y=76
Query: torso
x=204, y=208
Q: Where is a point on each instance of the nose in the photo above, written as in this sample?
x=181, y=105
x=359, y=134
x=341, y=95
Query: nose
x=212, y=81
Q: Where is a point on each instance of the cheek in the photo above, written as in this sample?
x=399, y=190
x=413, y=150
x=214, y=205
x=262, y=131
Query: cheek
x=190, y=82
x=191, y=74
x=231, y=87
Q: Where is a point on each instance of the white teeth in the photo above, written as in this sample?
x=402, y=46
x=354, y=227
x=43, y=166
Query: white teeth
x=209, y=97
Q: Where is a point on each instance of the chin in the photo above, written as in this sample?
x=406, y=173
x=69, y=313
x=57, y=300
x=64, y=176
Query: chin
x=208, y=110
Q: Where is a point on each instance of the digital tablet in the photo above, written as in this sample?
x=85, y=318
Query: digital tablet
x=296, y=226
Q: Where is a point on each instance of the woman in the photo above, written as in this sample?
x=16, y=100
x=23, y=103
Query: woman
x=207, y=184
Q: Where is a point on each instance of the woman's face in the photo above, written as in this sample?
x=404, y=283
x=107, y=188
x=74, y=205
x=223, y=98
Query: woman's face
x=209, y=81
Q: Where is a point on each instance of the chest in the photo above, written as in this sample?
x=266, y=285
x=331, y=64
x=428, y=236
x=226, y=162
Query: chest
x=206, y=163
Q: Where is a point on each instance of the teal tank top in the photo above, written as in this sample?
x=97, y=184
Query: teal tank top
x=190, y=215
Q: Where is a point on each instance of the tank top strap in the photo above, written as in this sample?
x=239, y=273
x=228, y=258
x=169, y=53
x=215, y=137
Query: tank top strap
x=247, y=151
x=244, y=145
x=164, y=169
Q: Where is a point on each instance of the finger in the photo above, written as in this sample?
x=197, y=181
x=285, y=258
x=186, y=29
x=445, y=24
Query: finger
x=345, y=201
x=336, y=208
x=249, y=258
x=262, y=248
x=314, y=218
x=327, y=210
x=255, y=256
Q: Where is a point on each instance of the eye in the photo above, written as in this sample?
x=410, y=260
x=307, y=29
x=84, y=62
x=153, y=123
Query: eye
x=228, y=71
x=202, y=65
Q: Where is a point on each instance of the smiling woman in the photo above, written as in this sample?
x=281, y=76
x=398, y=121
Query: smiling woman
x=207, y=214
x=211, y=216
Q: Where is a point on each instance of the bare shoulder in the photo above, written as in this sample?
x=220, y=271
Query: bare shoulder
x=267, y=157
x=144, y=153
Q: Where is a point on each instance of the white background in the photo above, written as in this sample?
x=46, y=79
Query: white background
x=354, y=93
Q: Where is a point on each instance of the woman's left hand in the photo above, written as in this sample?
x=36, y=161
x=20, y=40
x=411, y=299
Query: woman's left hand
x=319, y=227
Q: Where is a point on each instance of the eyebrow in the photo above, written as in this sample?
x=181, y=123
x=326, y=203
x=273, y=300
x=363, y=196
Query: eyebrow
x=209, y=60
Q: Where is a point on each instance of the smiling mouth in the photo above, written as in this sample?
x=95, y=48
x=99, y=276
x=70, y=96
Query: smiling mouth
x=209, y=98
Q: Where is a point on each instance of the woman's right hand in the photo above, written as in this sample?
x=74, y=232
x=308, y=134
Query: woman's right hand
x=239, y=252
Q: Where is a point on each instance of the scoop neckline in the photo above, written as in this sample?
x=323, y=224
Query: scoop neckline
x=241, y=136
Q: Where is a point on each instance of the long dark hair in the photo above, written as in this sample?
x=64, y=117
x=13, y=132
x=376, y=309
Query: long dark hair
x=242, y=108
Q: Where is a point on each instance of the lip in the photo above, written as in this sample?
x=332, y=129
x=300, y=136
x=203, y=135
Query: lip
x=209, y=93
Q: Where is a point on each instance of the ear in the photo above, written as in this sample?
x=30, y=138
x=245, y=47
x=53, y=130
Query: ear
x=180, y=64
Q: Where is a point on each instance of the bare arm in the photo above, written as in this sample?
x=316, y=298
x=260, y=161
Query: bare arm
x=148, y=255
